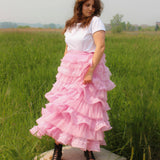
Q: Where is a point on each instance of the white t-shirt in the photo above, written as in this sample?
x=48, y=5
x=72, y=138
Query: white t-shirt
x=78, y=38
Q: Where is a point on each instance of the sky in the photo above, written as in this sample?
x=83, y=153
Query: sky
x=58, y=11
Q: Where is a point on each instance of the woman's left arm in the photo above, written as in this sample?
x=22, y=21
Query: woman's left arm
x=99, y=39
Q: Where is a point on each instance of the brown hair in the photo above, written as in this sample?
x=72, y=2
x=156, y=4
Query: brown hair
x=79, y=18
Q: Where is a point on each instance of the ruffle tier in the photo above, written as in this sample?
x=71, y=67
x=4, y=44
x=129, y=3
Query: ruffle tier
x=76, y=114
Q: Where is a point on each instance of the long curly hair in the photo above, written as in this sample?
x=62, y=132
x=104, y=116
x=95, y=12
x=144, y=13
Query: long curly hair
x=78, y=16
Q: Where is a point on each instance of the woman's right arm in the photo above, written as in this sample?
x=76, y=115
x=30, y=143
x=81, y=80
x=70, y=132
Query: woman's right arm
x=65, y=50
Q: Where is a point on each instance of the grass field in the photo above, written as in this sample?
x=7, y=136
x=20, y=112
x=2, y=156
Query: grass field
x=28, y=65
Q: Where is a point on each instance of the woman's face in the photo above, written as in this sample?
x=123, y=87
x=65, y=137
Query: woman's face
x=88, y=8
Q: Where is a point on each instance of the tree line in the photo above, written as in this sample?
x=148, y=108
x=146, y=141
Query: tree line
x=117, y=25
x=25, y=25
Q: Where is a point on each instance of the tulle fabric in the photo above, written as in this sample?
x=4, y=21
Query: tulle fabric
x=76, y=114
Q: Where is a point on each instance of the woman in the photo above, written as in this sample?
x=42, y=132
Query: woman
x=76, y=112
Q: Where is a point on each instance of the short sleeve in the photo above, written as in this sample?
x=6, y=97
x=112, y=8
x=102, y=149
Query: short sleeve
x=97, y=25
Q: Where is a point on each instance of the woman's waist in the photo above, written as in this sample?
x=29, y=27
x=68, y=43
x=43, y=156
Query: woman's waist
x=79, y=56
x=80, y=52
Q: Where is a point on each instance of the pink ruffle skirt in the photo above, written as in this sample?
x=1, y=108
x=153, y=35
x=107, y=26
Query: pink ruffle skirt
x=76, y=114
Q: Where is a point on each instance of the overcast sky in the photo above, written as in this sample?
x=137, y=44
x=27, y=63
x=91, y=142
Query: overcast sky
x=58, y=11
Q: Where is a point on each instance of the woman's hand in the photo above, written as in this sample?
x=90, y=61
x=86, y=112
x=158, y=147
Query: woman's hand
x=88, y=76
x=65, y=52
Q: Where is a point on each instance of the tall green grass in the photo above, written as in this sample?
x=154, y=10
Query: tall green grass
x=135, y=63
x=28, y=65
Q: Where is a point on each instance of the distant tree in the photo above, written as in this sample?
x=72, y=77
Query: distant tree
x=51, y=25
x=157, y=27
x=116, y=23
x=139, y=28
x=128, y=26
x=23, y=26
x=123, y=24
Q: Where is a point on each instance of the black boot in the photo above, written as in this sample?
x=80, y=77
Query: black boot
x=89, y=155
x=57, y=152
